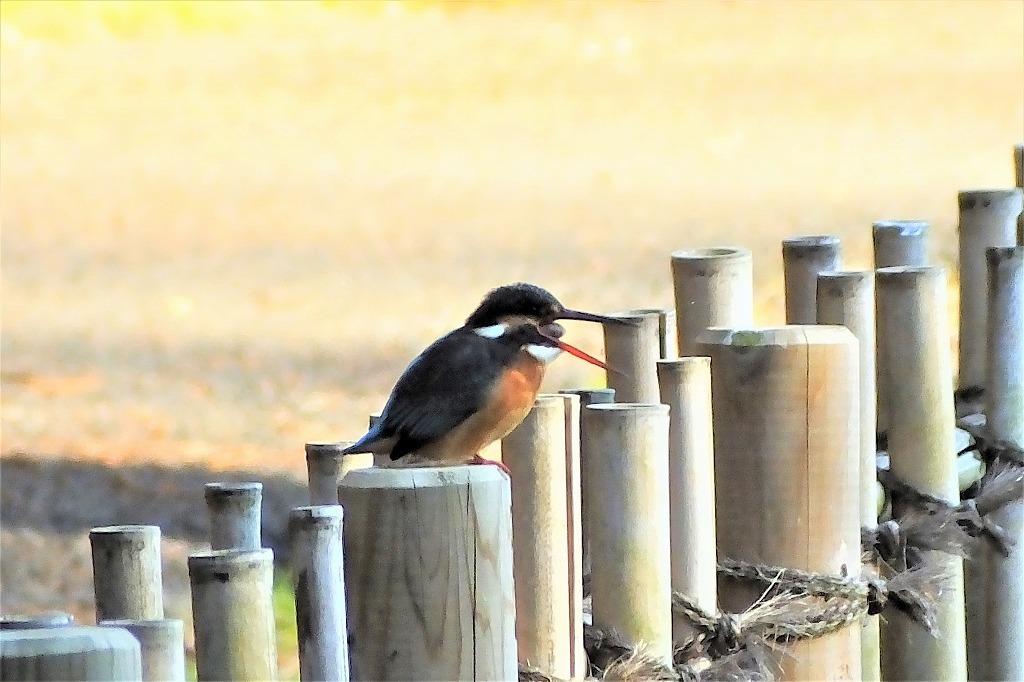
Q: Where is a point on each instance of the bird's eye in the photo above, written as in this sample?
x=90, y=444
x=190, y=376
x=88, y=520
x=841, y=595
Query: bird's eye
x=552, y=330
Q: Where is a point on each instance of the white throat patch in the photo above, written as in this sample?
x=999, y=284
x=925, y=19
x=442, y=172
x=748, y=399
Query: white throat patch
x=545, y=354
x=495, y=331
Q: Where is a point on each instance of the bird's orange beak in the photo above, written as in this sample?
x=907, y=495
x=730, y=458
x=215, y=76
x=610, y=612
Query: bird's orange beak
x=573, y=350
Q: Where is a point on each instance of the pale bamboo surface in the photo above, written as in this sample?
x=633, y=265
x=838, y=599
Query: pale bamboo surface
x=988, y=217
x=574, y=538
x=914, y=333
x=1018, y=167
x=428, y=573
x=803, y=258
x=325, y=466
x=1004, y=411
x=686, y=389
x=631, y=573
x=667, y=334
x=127, y=572
x=848, y=299
x=81, y=653
x=161, y=644
x=787, y=474
x=896, y=243
x=633, y=351
x=713, y=288
x=233, y=614
x=318, y=579
x=535, y=453
x=53, y=619
x=234, y=510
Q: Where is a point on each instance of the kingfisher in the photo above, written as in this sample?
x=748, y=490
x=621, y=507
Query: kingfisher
x=475, y=384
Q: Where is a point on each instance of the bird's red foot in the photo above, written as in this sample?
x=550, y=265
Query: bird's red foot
x=477, y=459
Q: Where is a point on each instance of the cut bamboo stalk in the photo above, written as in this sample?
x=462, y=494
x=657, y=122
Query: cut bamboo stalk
x=126, y=572
x=162, y=647
x=318, y=580
x=848, y=299
x=587, y=396
x=667, y=335
x=574, y=538
x=922, y=452
x=633, y=350
x=1004, y=412
x=379, y=460
x=803, y=259
x=1018, y=165
x=787, y=467
x=325, y=466
x=233, y=614
x=686, y=389
x=535, y=454
x=713, y=288
x=631, y=574
x=234, y=511
x=428, y=573
x=53, y=619
x=896, y=243
x=988, y=217
x=69, y=653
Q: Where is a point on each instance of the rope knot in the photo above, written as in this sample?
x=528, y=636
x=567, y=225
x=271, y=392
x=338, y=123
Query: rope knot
x=878, y=596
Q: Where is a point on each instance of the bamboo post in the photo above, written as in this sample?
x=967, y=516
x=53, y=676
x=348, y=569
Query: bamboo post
x=325, y=466
x=848, y=299
x=803, y=258
x=379, y=460
x=83, y=653
x=922, y=453
x=574, y=537
x=126, y=572
x=233, y=614
x=713, y=288
x=787, y=487
x=587, y=396
x=667, y=334
x=542, y=566
x=162, y=647
x=428, y=573
x=1018, y=165
x=53, y=619
x=318, y=579
x=896, y=243
x=234, y=510
x=686, y=389
x=631, y=578
x=1004, y=410
x=987, y=218
x=633, y=350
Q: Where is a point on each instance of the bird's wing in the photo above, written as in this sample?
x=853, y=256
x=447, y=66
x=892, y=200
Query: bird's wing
x=448, y=382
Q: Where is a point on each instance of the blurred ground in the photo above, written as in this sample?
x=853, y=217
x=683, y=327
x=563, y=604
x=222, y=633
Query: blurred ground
x=227, y=227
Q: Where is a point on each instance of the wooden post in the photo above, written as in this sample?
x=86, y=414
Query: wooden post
x=574, y=538
x=53, y=619
x=713, y=288
x=803, y=258
x=848, y=299
x=1004, y=411
x=69, y=653
x=987, y=218
x=633, y=350
x=546, y=621
x=787, y=474
x=913, y=333
x=126, y=572
x=587, y=396
x=318, y=578
x=234, y=510
x=325, y=466
x=667, y=334
x=233, y=614
x=162, y=647
x=631, y=578
x=428, y=573
x=1018, y=164
x=686, y=389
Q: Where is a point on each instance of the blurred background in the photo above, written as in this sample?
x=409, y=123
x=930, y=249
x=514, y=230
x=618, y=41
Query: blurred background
x=227, y=227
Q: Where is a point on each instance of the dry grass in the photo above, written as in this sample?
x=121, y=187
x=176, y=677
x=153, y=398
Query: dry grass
x=226, y=230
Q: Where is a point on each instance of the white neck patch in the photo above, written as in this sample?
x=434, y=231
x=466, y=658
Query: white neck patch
x=495, y=331
x=545, y=354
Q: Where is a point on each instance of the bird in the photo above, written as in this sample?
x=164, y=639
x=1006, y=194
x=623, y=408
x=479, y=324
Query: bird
x=475, y=384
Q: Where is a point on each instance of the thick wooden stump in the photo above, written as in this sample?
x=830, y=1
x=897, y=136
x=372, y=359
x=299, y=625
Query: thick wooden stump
x=69, y=653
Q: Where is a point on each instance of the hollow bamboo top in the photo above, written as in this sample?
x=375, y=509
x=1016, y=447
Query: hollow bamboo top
x=66, y=640
x=220, y=489
x=685, y=365
x=156, y=625
x=326, y=449
x=421, y=477
x=903, y=228
x=810, y=242
x=847, y=275
x=625, y=409
x=788, y=335
x=1008, y=198
x=712, y=254
x=909, y=275
x=53, y=619
x=125, y=531
x=221, y=564
x=592, y=395
x=318, y=511
x=1000, y=254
